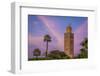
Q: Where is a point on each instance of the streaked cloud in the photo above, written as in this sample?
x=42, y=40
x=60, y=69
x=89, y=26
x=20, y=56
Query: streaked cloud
x=52, y=28
x=79, y=34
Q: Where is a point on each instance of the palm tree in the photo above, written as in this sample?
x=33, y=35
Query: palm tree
x=84, y=49
x=36, y=52
x=47, y=39
x=84, y=44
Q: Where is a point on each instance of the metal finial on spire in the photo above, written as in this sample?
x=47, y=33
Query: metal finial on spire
x=69, y=28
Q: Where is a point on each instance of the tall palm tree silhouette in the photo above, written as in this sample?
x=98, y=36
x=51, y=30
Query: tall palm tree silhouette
x=47, y=39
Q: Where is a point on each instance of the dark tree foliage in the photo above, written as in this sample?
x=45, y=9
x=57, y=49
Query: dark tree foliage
x=36, y=52
x=84, y=49
x=56, y=54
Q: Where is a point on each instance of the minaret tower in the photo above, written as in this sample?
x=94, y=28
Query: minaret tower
x=69, y=42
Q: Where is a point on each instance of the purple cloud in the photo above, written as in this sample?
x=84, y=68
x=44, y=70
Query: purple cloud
x=79, y=35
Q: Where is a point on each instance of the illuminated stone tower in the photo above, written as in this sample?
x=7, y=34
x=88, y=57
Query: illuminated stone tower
x=69, y=42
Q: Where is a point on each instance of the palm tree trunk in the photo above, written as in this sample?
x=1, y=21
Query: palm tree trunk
x=47, y=49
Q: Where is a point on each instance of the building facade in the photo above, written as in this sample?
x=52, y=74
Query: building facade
x=69, y=42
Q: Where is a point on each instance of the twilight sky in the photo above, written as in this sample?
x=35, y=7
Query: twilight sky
x=55, y=26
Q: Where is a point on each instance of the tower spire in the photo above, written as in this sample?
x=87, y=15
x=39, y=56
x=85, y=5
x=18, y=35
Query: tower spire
x=69, y=28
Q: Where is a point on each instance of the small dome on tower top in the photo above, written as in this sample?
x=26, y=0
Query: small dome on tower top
x=69, y=28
